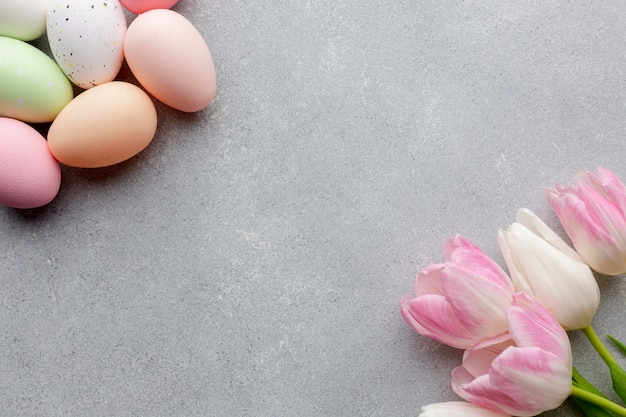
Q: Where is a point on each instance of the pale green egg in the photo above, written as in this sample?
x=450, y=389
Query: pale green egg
x=32, y=86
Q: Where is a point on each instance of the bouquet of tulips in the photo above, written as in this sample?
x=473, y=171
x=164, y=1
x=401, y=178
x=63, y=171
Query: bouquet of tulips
x=517, y=358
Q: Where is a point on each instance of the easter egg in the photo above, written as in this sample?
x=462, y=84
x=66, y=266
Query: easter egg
x=170, y=59
x=24, y=20
x=103, y=126
x=32, y=86
x=29, y=175
x=87, y=39
x=140, y=6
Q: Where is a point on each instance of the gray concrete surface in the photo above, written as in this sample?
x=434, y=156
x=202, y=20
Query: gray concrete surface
x=251, y=260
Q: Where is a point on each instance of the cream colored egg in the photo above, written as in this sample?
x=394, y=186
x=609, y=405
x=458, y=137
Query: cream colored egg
x=23, y=19
x=103, y=126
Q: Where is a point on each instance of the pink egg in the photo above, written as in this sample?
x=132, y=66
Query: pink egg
x=170, y=59
x=29, y=175
x=140, y=6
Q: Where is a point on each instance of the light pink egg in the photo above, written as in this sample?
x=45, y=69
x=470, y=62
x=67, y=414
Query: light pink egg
x=171, y=60
x=29, y=175
x=141, y=6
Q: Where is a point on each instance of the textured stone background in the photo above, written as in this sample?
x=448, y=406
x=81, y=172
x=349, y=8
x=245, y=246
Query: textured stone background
x=251, y=260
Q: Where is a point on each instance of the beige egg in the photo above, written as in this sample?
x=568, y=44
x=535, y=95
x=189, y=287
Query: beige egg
x=170, y=59
x=103, y=126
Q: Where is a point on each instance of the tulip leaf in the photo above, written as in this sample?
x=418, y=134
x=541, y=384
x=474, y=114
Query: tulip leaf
x=580, y=381
x=590, y=400
x=592, y=410
x=618, y=376
x=617, y=343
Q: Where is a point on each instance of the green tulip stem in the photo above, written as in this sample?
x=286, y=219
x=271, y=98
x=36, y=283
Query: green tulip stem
x=598, y=400
x=598, y=345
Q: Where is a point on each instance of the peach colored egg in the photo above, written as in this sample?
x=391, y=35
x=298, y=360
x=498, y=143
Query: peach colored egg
x=141, y=6
x=103, y=126
x=171, y=60
x=29, y=175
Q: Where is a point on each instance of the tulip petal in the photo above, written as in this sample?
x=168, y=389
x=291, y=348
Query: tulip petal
x=479, y=358
x=432, y=316
x=532, y=222
x=519, y=282
x=574, y=214
x=523, y=376
x=479, y=301
x=607, y=232
x=458, y=409
x=476, y=287
x=462, y=253
x=407, y=315
x=587, y=232
x=567, y=287
x=604, y=212
x=607, y=183
x=481, y=392
x=461, y=302
x=532, y=325
x=593, y=213
x=521, y=382
x=428, y=280
x=537, y=379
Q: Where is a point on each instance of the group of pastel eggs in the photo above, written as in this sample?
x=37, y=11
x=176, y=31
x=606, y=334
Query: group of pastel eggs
x=109, y=121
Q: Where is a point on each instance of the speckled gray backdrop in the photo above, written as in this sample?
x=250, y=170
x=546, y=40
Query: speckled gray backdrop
x=251, y=260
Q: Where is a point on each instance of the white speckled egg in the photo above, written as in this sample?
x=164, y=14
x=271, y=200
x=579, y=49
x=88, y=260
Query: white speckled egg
x=87, y=39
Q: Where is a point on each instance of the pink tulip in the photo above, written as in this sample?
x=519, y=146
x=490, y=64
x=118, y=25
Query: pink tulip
x=524, y=375
x=461, y=302
x=458, y=409
x=593, y=214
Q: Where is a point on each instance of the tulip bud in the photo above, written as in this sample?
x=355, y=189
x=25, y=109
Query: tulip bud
x=462, y=301
x=525, y=375
x=543, y=266
x=593, y=214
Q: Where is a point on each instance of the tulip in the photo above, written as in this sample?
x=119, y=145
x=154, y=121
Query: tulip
x=593, y=214
x=458, y=409
x=542, y=265
x=461, y=301
x=525, y=375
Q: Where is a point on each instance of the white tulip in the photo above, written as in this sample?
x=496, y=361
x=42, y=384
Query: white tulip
x=458, y=409
x=543, y=266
